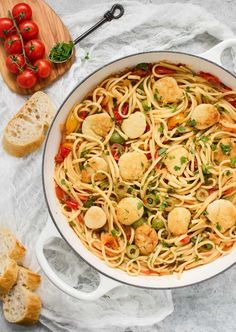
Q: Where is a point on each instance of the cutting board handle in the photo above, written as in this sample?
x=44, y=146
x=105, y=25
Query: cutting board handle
x=115, y=12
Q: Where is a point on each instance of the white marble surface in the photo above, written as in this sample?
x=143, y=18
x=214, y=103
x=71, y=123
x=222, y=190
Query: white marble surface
x=209, y=306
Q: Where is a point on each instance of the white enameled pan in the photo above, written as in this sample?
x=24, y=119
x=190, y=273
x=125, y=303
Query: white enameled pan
x=59, y=227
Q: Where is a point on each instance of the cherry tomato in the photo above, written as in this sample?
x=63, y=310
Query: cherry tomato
x=161, y=70
x=83, y=114
x=6, y=27
x=209, y=77
x=27, y=79
x=21, y=12
x=13, y=45
x=119, y=118
x=61, y=195
x=185, y=240
x=63, y=152
x=15, y=63
x=29, y=30
x=72, y=204
x=228, y=191
x=34, y=49
x=43, y=68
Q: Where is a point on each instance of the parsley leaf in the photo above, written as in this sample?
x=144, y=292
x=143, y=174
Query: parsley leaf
x=204, y=138
x=183, y=160
x=225, y=148
x=176, y=168
x=61, y=51
x=233, y=161
x=63, y=182
x=161, y=128
x=145, y=105
x=142, y=66
x=192, y=123
x=89, y=203
x=162, y=151
x=181, y=129
x=87, y=56
x=140, y=205
x=206, y=169
x=213, y=147
x=114, y=232
x=218, y=227
x=165, y=244
x=72, y=224
x=163, y=205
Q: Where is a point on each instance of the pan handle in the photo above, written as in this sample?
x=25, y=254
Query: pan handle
x=105, y=285
x=214, y=54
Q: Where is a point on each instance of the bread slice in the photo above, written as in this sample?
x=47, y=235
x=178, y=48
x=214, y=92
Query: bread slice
x=26, y=130
x=21, y=306
x=28, y=278
x=10, y=246
x=8, y=274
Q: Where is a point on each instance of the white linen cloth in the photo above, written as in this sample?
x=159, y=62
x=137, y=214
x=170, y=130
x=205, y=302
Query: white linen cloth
x=143, y=27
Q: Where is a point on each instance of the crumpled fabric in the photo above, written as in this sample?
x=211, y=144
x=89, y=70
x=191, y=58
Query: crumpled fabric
x=144, y=27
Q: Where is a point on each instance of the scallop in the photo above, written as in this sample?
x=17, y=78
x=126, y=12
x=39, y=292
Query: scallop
x=94, y=164
x=176, y=160
x=226, y=149
x=95, y=217
x=222, y=214
x=129, y=210
x=169, y=90
x=205, y=115
x=178, y=220
x=132, y=165
x=97, y=125
x=134, y=126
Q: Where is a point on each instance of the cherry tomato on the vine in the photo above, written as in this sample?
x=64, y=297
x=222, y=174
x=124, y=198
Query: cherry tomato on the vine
x=29, y=30
x=15, y=63
x=21, y=12
x=27, y=79
x=34, y=49
x=13, y=45
x=43, y=68
x=6, y=27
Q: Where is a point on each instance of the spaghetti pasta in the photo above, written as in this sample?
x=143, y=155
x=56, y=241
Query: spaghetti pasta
x=154, y=150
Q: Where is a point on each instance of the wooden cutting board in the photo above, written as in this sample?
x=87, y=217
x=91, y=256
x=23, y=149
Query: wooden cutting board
x=51, y=31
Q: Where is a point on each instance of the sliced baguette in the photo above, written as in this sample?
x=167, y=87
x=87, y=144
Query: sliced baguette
x=26, y=130
x=21, y=306
x=28, y=278
x=8, y=274
x=10, y=246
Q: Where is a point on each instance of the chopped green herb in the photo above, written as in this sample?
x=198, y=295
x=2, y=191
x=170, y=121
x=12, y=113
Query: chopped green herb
x=89, y=203
x=114, y=232
x=206, y=169
x=87, y=56
x=161, y=128
x=61, y=52
x=145, y=105
x=188, y=89
x=63, y=182
x=204, y=138
x=81, y=166
x=193, y=239
x=225, y=148
x=170, y=190
x=143, y=66
x=83, y=153
x=130, y=190
x=176, y=168
x=205, y=213
x=173, y=109
x=72, y=224
x=155, y=96
x=192, y=123
x=227, y=173
x=163, y=206
x=233, y=161
x=218, y=227
x=181, y=129
x=213, y=147
x=162, y=151
x=140, y=205
x=191, y=150
x=166, y=245
x=183, y=160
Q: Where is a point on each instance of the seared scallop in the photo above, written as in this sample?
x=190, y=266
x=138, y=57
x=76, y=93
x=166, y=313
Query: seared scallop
x=176, y=161
x=97, y=125
x=222, y=214
x=205, y=115
x=226, y=149
x=95, y=217
x=178, y=220
x=134, y=126
x=129, y=210
x=132, y=165
x=146, y=239
x=94, y=165
x=169, y=90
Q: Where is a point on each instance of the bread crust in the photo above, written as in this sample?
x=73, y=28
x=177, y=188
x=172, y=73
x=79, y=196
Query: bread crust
x=32, y=304
x=9, y=276
x=31, y=279
x=18, y=251
x=28, y=112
